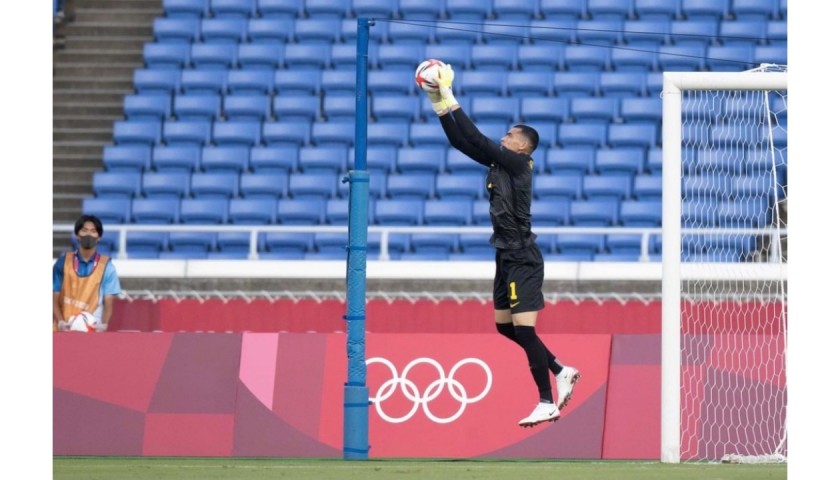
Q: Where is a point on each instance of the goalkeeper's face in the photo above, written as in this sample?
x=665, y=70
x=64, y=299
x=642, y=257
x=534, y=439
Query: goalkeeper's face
x=515, y=141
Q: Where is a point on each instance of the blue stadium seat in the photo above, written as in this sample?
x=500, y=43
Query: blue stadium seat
x=447, y=212
x=338, y=82
x=528, y=84
x=753, y=185
x=632, y=135
x=131, y=158
x=272, y=185
x=705, y=9
x=245, y=107
x=427, y=135
x=192, y=243
x=137, y=132
x=400, y=56
x=457, y=162
x=156, y=81
x=557, y=32
x=431, y=246
x=404, y=33
x=553, y=109
x=175, y=30
x=292, y=83
x=495, y=57
x=575, y=160
x=233, y=8
x=343, y=56
x=380, y=159
x=623, y=161
x=305, y=108
x=412, y=186
x=623, y=84
x=394, y=134
x=145, y=244
x=495, y=109
x=469, y=10
x=374, y=8
x=212, y=211
x=575, y=84
x=421, y=9
x=541, y=57
x=166, y=184
x=222, y=185
x=313, y=185
x=636, y=213
x=408, y=211
x=450, y=34
x=600, y=32
x=460, y=186
x=322, y=31
x=420, y=159
x=395, y=108
x=271, y=30
x=744, y=213
x=481, y=212
x=502, y=33
x=587, y=58
x=116, y=184
x=646, y=34
x=337, y=212
x=218, y=30
x=743, y=32
x=221, y=159
x=250, y=82
x=624, y=244
x=698, y=214
x=204, y=82
x=260, y=56
x=642, y=110
x=187, y=132
x=252, y=211
x=698, y=33
x=294, y=133
x=287, y=245
x=232, y=245
x=307, y=56
x=755, y=9
x=281, y=9
x=657, y=9
x=169, y=56
x=563, y=9
x=476, y=244
x=599, y=110
x=682, y=57
x=234, y=132
x=384, y=82
x=379, y=34
x=593, y=213
x=153, y=106
x=614, y=257
x=327, y=8
x=339, y=106
x=516, y=10
x=213, y=56
x=273, y=159
x=550, y=187
x=550, y=212
x=109, y=210
x=202, y=107
x=730, y=58
x=777, y=32
x=610, y=9
x=633, y=59
x=606, y=187
x=586, y=135
x=647, y=187
x=771, y=54
x=477, y=82
x=186, y=8
x=580, y=244
x=154, y=210
x=304, y=211
x=323, y=159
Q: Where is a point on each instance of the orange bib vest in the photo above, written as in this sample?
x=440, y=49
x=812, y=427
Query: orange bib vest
x=77, y=293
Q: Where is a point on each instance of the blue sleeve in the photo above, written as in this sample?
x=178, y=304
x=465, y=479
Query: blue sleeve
x=58, y=273
x=110, y=281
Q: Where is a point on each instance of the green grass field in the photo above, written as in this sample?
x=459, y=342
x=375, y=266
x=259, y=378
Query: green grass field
x=118, y=468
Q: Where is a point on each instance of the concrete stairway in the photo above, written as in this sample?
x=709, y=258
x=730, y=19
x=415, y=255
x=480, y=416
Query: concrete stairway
x=94, y=59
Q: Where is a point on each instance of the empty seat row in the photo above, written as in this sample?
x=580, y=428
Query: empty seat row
x=553, y=56
x=479, y=9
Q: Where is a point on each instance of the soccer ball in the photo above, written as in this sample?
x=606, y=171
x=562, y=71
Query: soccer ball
x=426, y=75
x=83, y=322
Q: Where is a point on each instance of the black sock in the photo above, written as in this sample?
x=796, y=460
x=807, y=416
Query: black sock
x=537, y=360
x=508, y=330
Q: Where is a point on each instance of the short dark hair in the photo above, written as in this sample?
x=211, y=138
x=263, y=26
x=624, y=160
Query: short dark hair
x=531, y=134
x=97, y=223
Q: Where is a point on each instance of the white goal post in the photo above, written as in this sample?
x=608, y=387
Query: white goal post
x=771, y=441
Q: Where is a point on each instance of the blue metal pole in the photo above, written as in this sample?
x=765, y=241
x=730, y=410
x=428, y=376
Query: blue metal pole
x=356, y=403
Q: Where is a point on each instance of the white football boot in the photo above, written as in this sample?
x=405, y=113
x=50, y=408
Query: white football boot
x=545, y=412
x=566, y=380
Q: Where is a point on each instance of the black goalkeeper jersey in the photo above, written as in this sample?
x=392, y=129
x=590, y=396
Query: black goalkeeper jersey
x=508, y=180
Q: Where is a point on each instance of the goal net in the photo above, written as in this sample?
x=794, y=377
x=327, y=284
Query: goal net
x=724, y=266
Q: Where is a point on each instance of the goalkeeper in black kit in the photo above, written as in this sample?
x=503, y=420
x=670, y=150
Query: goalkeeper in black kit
x=517, y=287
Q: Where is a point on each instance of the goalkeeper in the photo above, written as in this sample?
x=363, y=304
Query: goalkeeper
x=517, y=287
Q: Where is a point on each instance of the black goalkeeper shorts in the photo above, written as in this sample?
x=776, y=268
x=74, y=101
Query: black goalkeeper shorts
x=519, y=280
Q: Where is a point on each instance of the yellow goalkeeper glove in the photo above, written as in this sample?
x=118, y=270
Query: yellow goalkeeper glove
x=447, y=99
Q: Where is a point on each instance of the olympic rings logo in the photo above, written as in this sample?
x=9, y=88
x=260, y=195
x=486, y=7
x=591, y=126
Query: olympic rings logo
x=410, y=390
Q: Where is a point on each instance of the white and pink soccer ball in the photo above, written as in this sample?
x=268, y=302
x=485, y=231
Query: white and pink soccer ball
x=83, y=322
x=426, y=75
